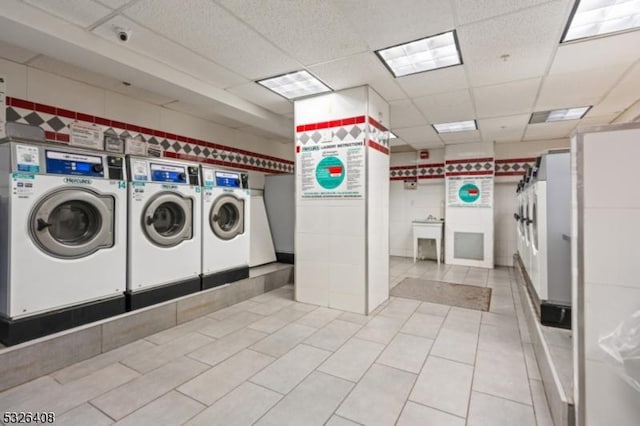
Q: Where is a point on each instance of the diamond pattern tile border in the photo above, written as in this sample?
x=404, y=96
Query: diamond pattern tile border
x=55, y=122
x=470, y=167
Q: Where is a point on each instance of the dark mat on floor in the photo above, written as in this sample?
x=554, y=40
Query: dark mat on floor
x=464, y=296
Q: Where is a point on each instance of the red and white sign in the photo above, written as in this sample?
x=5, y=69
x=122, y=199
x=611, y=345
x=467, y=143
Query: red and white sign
x=424, y=155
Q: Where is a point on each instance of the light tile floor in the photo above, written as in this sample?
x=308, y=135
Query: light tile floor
x=272, y=361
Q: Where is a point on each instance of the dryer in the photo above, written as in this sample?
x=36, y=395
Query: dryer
x=63, y=221
x=526, y=207
x=551, y=248
x=164, y=240
x=518, y=216
x=533, y=222
x=225, y=227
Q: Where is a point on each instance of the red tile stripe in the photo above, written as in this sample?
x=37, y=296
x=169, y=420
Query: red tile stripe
x=480, y=173
x=522, y=173
x=411, y=166
x=332, y=123
x=378, y=147
x=48, y=109
x=431, y=177
x=470, y=160
x=516, y=160
x=375, y=123
x=427, y=165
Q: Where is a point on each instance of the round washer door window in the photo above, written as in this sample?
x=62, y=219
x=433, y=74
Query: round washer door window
x=73, y=223
x=167, y=219
x=227, y=217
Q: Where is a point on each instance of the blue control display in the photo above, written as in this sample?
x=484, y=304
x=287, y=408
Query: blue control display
x=168, y=173
x=228, y=180
x=63, y=163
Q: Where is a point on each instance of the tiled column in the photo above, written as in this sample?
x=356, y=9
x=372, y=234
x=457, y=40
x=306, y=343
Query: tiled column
x=342, y=200
x=469, y=201
x=605, y=269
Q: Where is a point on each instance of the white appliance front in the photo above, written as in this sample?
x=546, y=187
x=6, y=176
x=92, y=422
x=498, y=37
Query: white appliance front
x=225, y=217
x=66, y=228
x=164, y=223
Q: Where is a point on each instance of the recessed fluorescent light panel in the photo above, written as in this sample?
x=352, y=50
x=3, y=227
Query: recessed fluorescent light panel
x=558, y=115
x=458, y=126
x=591, y=18
x=426, y=54
x=295, y=85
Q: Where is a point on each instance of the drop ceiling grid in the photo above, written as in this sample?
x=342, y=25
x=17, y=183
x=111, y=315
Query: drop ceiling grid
x=263, y=97
x=420, y=136
x=503, y=129
x=15, y=53
x=434, y=82
x=576, y=89
x=152, y=44
x=404, y=113
x=469, y=11
x=316, y=31
x=203, y=22
x=622, y=95
x=350, y=71
x=529, y=37
x=514, y=97
x=447, y=107
x=82, y=13
x=384, y=23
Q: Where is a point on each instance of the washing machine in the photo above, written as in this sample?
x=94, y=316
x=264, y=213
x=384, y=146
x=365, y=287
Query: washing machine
x=550, y=240
x=164, y=240
x=63, y=220
x=225, y=226
x=518, y=215
x=533, y=223
x=526, y=217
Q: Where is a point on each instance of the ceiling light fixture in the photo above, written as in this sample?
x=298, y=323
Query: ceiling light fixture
x=294, y=85
x=438, y=51
x=558, y=115
x=457, y=126
x=591, y=18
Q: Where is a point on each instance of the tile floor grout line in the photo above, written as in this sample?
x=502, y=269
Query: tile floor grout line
x=437, y=409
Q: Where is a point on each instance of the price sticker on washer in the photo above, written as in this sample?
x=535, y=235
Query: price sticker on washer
x=22, y=185
x=27, y=159
x=139, y=170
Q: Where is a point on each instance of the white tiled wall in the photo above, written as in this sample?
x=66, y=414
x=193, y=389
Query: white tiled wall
x=610, y=289
x=35, y=85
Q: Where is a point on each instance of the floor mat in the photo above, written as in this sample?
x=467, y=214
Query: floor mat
x=464, y=296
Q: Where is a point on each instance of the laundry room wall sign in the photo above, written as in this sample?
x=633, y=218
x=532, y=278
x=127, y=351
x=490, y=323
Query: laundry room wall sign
x=332, y=158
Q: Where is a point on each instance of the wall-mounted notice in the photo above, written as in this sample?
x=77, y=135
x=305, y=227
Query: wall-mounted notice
x=114, y=143
x=86, y=136
x=467, y=191
x=333, y=170
x=3, y=105
x=135, y=147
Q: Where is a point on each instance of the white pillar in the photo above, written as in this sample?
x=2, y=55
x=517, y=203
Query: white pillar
x=342, y=200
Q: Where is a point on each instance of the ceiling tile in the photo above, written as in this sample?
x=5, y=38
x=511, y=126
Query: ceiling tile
x=530, y=37
x=594, y=53
x=115, y=4
x=53, y=66
x=596, y=121
x=557, y=130
x=148, y=43
x=257, y=94
x=447, y=107
x=388, y=89
x=348, y=72
x=460, y=137
x=437, y=81
x=203, y=113
x=208, y=29
x=624, y=94
x=15, y=53
x=506, y=99
x=418, y=135
x=79, y=12
x=316, y=32
x=473, y=10
x=404, y=113
x=503, y=129
x=384, y=23
x=576, y=89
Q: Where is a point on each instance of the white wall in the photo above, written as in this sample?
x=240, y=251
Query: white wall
x=606, y=288
x=408, y=205
x=39, y=86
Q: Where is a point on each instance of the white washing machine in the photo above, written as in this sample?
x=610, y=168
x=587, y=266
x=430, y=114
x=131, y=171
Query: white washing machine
x=518, y=216
x=225, y=226
x=63, y=244
x=164, y=230
x=551, y=248
x=526, y=207
x=534, y=220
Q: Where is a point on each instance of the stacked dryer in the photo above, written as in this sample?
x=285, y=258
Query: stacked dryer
x=225, y=226
x=164, y=230
x=62, y=238
x=550, y=225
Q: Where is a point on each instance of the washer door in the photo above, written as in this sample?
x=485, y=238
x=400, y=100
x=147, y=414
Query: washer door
x=534, y=223
x=73, y=223
x=167, y=219
x=227, y=217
